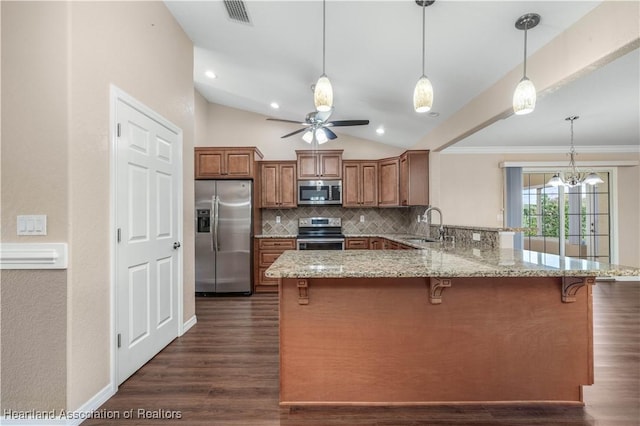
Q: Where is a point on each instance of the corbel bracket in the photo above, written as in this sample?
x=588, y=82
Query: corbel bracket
x=436, y=287
x=303, y=292
x=571, y=286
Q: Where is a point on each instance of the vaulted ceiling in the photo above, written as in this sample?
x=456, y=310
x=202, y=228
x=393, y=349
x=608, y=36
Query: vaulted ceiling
x=373, y=57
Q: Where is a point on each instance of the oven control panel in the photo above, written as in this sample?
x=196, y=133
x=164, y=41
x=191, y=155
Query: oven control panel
x=319, y=221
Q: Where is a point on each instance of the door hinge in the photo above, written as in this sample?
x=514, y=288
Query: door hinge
x=119, y=234
x=118, y=129
x=119, y=339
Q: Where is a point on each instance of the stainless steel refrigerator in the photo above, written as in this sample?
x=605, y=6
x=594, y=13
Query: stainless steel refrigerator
x=223, y=236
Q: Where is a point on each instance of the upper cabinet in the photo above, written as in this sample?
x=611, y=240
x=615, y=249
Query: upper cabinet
x=278, y=184
x=389, y=182
x=404, y=180
x=414, y=178
x=225, y=163
x=359, y=183
x=326, y=164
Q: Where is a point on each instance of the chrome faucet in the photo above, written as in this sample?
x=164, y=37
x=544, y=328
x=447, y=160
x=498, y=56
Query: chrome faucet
x=426, y=218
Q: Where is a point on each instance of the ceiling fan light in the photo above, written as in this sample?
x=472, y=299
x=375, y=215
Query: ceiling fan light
x=323, y=94
x=555, y=181
x=308, y=136
x=423, y=95
x=593, y=179
x=524, y=97
x=321, y=136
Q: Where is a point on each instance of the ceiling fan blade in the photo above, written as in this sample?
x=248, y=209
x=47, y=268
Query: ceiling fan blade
x=293, y=133
x=329, y=133
x=286, y=121
x=339, y=123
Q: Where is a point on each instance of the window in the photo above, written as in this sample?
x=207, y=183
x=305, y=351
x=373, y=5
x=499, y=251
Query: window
x=566, y=221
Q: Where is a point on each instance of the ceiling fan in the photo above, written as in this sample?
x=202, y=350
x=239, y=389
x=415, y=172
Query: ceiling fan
x=316, y=126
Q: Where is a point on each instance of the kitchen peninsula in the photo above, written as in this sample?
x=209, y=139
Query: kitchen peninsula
x=436, y=325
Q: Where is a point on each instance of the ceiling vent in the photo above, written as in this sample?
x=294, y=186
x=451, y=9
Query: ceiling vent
x=237, y=11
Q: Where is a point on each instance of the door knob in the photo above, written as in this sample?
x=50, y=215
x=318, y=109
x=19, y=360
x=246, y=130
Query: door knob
x=176, y=245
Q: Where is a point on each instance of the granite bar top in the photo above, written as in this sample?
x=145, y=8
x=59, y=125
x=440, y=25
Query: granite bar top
x=436, y=260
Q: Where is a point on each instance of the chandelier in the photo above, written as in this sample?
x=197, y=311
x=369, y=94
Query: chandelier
x=574, y=177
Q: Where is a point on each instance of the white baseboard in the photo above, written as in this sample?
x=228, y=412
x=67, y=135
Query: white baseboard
x=62, y=417
x=188, y=324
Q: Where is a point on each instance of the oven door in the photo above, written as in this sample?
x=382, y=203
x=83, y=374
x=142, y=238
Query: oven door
x=320, y=243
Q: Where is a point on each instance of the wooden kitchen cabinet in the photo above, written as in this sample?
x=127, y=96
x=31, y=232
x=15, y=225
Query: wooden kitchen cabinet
x=404, y=180
x=376, y=243
x=389, y=182
x=325, y=164
x=414, y=178
x=278, y=184
x=359, y=183
x=266, y=251
x=225, y=163
x=356, y=243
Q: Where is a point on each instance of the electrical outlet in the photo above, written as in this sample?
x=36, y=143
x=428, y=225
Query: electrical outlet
x=277, y=219
x=476, y=236
x=361, y=218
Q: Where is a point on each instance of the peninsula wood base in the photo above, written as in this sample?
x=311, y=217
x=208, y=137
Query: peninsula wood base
x=380, y=341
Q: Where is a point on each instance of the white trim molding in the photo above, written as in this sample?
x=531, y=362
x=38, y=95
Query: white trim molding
x=188, y=324
x=33, y=256
x=564, y=164
x=583, y=149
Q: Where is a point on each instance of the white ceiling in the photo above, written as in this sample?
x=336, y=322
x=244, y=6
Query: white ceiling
x=373, y=58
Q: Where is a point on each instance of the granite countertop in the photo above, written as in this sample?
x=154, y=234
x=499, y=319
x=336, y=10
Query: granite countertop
x=436, y=260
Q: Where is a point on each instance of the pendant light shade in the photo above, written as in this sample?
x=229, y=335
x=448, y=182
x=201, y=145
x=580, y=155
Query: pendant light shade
x=423, y=95
x=423, y=92
x=323, y=94
x=308, y=136
x=524, y=97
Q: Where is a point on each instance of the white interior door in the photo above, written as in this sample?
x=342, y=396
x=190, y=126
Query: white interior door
x=148, y=178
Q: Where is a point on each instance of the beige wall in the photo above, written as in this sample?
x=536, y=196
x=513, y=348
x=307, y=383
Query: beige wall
x=232, y=127
x=34, y=181
x=64, y=57
x=469, y=190
x=33, y=340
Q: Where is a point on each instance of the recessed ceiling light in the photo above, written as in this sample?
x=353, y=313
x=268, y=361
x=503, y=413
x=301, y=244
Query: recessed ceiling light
x=275, y=105
x=380, y=130
x=210, y=74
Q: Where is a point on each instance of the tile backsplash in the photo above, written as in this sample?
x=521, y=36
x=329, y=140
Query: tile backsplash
x=376, y=221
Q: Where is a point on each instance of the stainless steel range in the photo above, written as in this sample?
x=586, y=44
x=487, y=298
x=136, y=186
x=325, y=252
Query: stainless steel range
x=320, y=233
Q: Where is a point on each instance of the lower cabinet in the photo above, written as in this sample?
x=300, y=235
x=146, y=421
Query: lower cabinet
x=356, y=243
x=266, y=251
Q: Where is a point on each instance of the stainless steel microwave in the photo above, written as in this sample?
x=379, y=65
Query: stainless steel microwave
x=313, y=192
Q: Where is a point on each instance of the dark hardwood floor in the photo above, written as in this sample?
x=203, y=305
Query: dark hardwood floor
x=224, y=371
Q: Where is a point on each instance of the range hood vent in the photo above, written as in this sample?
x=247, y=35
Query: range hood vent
x=237, y=11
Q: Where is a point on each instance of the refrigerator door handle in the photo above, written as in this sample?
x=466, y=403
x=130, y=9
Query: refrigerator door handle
x=212, y=215
x=216, y=216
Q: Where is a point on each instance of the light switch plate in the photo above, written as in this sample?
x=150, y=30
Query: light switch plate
x=32, y=224
x=476, y=236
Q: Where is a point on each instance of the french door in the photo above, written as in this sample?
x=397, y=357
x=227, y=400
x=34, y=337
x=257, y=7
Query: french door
x=567, y=221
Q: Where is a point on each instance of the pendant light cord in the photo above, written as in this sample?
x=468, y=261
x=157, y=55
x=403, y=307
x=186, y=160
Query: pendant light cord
x=424, y=4
x=526, y=24
x=324, y=20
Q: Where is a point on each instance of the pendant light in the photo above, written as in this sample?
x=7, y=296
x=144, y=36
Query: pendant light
x=323, y=92
x=574, y=176
x=524, y=97
x=423, y=92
